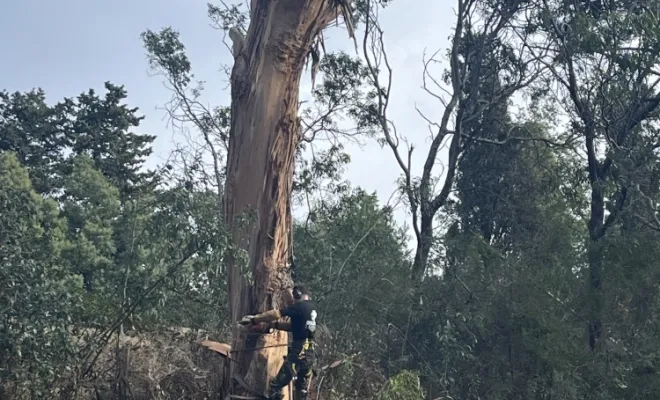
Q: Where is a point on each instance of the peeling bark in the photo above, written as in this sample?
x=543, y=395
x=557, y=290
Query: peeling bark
x=264, y=137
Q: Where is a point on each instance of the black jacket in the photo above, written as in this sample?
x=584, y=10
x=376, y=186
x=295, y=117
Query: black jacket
x=303, y=319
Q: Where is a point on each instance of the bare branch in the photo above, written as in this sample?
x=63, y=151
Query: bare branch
x=372, y=28
x=655, y=225
x=462, y=99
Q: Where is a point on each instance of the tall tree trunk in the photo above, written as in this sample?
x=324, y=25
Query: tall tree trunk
x=595, y=259
x=260, y=164
x=423, y=249
x=596, y=232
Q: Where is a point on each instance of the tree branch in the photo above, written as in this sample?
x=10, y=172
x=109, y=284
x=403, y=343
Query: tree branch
x=371, y=28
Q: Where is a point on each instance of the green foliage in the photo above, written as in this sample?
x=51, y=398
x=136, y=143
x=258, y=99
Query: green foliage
x=343, y=93
x=340, y=245
x=90, y=205
x=180, y=220
x=166, y=51
x=102, y=129
x=38, y=297
x=98, y=245
x=353, y=256
x=323, y=171
x=227, y=16
x=34, y=131
x=403, y=386
x=46, y=138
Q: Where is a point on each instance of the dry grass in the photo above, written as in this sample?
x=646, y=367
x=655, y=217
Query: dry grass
x=173, y=364
x=154, y=366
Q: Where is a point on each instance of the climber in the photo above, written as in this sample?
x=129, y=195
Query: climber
x=299, y=362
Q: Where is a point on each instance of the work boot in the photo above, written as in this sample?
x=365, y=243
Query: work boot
x=275, y=393
x=301, y=394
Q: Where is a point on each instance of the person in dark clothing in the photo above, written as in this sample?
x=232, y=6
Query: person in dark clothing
x=301, y=357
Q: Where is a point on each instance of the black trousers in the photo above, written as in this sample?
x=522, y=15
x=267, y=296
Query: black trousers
x=298, y=364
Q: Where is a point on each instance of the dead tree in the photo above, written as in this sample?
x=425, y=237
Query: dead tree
x=479, y=32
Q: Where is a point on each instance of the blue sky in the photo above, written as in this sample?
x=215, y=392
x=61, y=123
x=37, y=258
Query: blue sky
x=69, y=46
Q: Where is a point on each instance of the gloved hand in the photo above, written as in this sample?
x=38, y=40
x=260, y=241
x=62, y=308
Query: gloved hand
x=247, y=320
